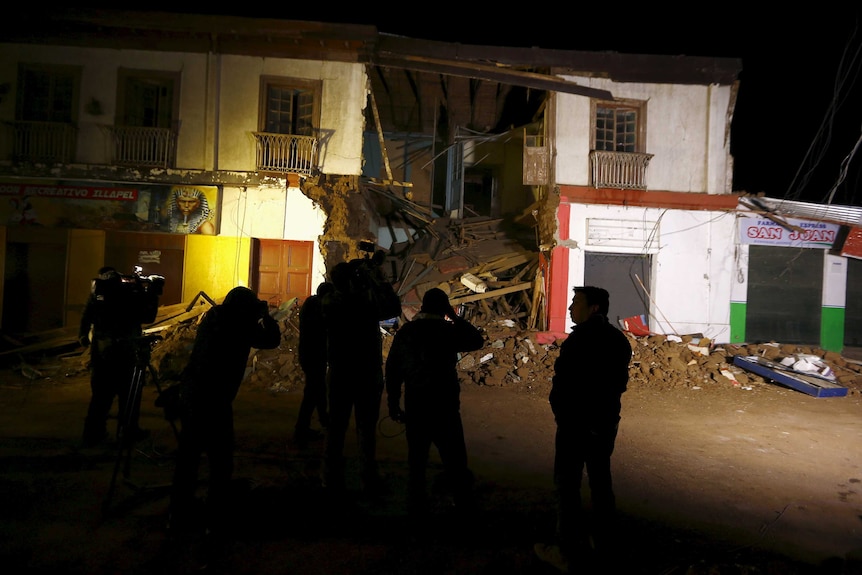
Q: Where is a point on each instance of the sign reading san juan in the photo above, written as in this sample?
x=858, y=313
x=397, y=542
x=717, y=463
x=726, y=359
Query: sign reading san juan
x=796, y=233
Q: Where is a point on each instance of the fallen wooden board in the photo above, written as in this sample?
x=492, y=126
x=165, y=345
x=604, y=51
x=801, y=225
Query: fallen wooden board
x=814, y=386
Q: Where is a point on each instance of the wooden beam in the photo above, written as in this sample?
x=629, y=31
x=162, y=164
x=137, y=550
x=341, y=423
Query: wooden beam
x=490, y=294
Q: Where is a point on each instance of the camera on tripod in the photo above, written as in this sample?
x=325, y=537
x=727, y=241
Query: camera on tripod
x=136, y=293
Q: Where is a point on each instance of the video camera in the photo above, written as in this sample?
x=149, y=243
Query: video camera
x=366, y=270
x=137, y=294
x=114, y=284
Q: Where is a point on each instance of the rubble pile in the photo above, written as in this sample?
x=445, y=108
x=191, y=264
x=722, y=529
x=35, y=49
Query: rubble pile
x=523, y=360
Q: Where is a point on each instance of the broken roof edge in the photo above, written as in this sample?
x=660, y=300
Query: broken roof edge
x=622, y=67
x=844, y=215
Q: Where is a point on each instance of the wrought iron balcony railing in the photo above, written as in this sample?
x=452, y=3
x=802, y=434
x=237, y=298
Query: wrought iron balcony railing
x=44, y=142
x=285, y=153
x=624, y=170
x=143, y=147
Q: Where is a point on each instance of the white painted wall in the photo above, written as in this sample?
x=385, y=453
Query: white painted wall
x=304, y=220
x=99, y=82
x=219, y=101
x=692, y=266
x=687, y=132
x=275, y=213
x=219, y=94
x=341, y=115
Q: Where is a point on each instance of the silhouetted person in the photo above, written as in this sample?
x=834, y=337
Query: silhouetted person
x=590, y=375
x=115, y=310
x=312, y=360
x=353, y=311
x=208, y=386
x=422, y=358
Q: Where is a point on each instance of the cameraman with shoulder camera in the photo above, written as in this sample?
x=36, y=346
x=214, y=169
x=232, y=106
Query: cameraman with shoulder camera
x=207, y=388
x=352, y=314
x=115, y=310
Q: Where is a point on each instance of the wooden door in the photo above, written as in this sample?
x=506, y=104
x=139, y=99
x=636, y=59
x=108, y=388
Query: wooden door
x=282, y=270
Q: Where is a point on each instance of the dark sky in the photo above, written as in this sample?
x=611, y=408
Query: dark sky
x=799, y=110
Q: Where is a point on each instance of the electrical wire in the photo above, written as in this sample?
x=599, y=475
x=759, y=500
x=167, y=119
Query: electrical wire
x=820, y=144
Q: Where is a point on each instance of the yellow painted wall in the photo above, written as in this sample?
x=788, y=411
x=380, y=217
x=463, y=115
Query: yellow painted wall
x=215, y=264
x=85, y=255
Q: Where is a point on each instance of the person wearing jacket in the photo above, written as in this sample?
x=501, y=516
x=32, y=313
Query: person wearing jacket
x=352, y=313
x=312, y=359
x=209, y=383
x=422, y=360
x=590, y=375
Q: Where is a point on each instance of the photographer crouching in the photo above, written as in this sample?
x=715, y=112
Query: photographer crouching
x=115, y=310
x=203, y=401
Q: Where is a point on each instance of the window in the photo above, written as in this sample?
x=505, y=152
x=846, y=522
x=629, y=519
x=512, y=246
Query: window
x=289, y=122
x=47, y=93
x=46, y=110
x=619, y=126
x=147, y=99
x=289, y=106
x=145, y=131
x=618, y=158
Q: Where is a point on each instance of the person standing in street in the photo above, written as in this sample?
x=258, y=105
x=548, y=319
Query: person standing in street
x=422, y=359
x=115, y=310
x=352, y=312
x=208, y=386
x=590, y=375
x=312, y=360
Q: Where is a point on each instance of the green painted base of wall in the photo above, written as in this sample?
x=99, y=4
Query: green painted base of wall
x=832, y=328
x=737, y=322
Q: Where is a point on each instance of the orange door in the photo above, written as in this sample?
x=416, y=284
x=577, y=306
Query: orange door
x=283, y=270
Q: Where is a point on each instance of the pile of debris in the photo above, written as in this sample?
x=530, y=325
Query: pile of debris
x=521, y=359
x=497, y=282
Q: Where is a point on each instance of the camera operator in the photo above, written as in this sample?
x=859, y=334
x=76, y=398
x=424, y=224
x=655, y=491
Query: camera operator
x=352, y=314
x=115, y=310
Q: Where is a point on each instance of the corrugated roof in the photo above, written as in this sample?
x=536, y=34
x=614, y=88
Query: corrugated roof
x=846, y=215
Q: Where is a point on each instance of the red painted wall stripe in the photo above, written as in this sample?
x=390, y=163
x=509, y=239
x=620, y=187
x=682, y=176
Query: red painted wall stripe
x=558, y=292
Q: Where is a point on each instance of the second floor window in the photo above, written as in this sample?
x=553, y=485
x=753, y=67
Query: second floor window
x=618, y=127
x=289, y=107
x=146, y=99
x=47, y=93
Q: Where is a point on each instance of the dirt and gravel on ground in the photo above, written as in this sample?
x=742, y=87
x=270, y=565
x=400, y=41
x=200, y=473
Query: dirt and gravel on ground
x=717, y=470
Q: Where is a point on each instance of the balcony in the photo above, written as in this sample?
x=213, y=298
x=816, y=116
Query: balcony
x=623, y=170
x=44, y=142
x=285, y=153
x=140, y=147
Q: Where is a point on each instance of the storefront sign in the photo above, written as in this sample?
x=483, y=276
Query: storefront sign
x=73, y=192
x=142, y=208
x=798, y=233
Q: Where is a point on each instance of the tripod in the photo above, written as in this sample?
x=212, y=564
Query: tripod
x=125, y=444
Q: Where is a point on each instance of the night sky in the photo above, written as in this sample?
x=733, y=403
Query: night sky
x=799, y=110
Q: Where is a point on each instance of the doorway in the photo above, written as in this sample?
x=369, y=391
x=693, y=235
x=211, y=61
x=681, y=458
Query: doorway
x=785, y=287
x=619, y=274
x=281, y=270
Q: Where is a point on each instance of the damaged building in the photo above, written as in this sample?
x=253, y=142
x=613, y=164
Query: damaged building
x=503, y=175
